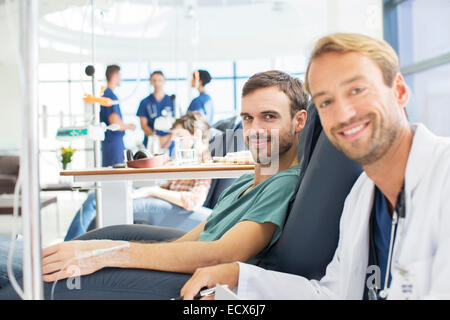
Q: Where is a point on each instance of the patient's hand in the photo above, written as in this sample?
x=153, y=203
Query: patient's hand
x=227, y=273
x=74, y=258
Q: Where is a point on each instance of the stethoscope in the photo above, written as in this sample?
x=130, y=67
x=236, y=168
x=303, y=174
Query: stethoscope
x=399, y=212
x=152, y=110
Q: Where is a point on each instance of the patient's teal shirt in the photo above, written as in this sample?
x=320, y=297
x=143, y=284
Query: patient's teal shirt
x=267, y=202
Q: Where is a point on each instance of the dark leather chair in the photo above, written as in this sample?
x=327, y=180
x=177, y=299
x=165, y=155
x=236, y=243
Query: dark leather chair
x=9, y=171
x=230, y=140
x=225, y=124
x=311, y=232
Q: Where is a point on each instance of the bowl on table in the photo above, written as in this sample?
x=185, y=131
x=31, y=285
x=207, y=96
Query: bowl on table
x=157, y=160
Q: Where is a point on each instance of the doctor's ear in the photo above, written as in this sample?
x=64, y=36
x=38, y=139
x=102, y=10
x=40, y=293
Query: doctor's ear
x=401, y=90
x=300, y=120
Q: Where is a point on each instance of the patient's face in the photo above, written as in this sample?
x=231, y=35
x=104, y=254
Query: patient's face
x=358, y=111
x=269, y=129
x=179, y=132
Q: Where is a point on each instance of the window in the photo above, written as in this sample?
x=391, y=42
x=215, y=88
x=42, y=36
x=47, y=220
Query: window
x=417, y=29
x=62, y=87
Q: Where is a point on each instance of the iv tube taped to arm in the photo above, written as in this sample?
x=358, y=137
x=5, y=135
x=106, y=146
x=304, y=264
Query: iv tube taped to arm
x=83, y=255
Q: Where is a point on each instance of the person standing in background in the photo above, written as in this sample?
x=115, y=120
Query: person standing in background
x=113, y=146
x=203, y=103
x=157, y=104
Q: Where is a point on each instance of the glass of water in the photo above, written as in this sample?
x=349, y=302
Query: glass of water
x=187, y=150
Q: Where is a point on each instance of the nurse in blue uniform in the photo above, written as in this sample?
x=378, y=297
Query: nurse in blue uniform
x=203, y=103
x=157, y=104
x=113, y=146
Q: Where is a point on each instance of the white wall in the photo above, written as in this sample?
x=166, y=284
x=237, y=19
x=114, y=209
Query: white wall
x=10, y=115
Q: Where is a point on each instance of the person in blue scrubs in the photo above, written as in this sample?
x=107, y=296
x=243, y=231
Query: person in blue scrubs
x=113, y=146
x=157, y=104
x=203, y=103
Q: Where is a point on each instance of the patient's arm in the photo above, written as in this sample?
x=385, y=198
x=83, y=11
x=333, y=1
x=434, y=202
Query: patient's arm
x=240, y=243
x=192, y=235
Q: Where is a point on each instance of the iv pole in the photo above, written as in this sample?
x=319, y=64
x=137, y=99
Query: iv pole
x=90, y=71
x=29, y=161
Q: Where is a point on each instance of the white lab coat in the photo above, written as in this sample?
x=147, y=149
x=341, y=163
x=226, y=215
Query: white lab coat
x=422, y=245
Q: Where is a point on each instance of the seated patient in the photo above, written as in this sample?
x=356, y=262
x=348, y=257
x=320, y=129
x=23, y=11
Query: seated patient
x=247, y=219
x=175, y=204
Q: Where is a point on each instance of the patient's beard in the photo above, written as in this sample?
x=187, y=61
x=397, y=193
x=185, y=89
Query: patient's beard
x=277, y=145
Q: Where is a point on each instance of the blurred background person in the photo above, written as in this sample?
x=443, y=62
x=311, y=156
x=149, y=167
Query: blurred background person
x=157, y=104
x=203, y=103
x=113, y=146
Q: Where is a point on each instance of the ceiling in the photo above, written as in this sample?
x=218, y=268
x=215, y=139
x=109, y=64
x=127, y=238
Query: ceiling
x=188, y=30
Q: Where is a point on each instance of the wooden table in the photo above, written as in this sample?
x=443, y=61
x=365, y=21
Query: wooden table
x=116, y=184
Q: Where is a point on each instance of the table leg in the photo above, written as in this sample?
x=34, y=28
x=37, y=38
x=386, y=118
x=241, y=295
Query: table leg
x=117, y=204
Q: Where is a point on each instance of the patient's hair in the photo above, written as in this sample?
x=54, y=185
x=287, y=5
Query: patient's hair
x=193, y=121
x=110, y=70
x=379, y=51
x=291, y=86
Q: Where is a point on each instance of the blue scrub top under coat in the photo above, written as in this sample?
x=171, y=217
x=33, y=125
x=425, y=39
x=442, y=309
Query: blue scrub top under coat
x=203, y=103
x=151, y=109
x=112, y=146
x=382, y=227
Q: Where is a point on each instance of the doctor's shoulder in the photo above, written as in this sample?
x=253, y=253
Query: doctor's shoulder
x=360, y=193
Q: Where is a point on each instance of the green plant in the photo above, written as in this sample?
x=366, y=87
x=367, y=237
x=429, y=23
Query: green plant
x=66, y=156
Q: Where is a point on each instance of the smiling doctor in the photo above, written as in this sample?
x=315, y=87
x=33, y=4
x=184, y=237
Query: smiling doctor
x=394, y=238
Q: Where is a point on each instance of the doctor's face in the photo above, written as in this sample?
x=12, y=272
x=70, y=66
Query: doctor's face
x=157, y=81
x=116, y=78
x=269, y=129
x=359, y=113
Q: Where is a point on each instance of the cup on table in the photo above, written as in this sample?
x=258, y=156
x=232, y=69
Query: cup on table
x=187, y=150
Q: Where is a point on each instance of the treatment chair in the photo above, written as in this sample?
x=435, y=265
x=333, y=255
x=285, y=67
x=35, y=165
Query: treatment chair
x=220, y=144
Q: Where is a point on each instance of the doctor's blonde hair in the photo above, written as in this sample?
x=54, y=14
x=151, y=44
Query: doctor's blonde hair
x=379, y=51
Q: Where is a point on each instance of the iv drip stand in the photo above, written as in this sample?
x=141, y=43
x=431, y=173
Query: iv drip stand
x=29, y=161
